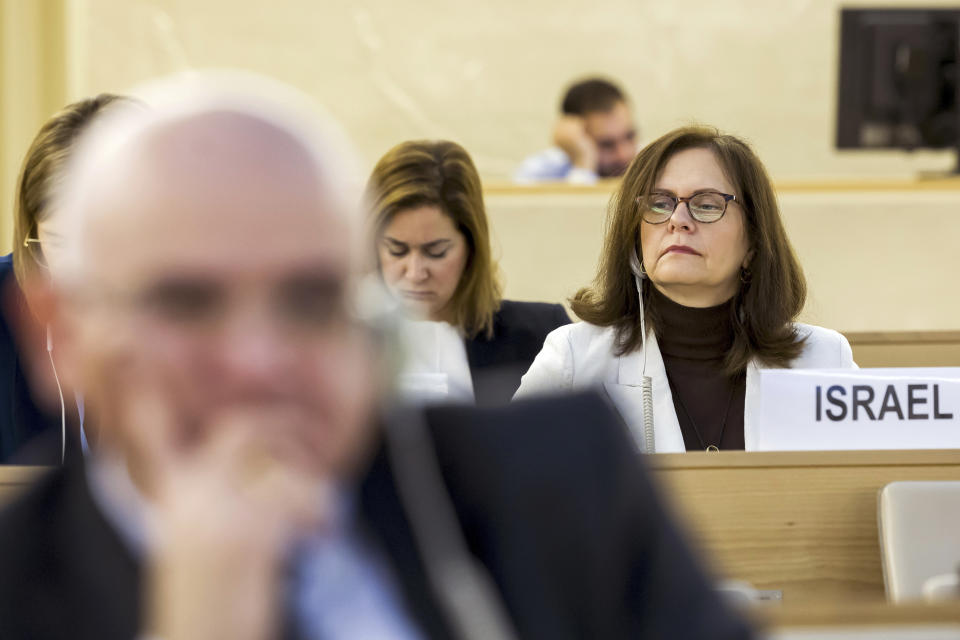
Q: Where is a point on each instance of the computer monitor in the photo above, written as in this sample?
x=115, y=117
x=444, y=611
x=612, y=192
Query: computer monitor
x=898, y=80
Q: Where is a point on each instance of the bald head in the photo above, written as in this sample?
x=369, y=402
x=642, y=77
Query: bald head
x=220, y=182
x=203, y=158
x=211, y=262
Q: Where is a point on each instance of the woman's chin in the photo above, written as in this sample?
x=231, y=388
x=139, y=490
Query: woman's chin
x=417, y=310
x=695, y=292
x=666, y=278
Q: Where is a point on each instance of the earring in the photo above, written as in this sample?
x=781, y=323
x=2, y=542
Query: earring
x=745, y=275
x=643, y=272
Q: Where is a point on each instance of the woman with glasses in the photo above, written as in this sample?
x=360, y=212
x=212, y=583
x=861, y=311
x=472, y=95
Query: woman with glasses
x=433, y=254
x=697, y=289
x=36, y=230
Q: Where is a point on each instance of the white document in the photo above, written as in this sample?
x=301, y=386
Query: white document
x=819, y=409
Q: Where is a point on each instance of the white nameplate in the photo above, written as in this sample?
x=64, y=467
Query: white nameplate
x=818, y=409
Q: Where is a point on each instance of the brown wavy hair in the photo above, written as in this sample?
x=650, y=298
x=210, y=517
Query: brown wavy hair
x=42, y=164
x=441, y=174
x=764, y=307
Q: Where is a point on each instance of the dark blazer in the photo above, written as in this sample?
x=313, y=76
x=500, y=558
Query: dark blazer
x=552, y=499
x=21, y=418
x=497, y=363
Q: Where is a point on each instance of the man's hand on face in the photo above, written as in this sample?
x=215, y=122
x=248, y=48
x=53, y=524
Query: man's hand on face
x=570, y=134
x=225, y=513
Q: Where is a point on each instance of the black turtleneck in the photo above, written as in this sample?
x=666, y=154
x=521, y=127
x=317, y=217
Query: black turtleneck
x=694, y=342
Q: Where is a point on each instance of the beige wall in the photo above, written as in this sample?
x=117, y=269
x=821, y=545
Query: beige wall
x=489, y=74
x=32, y=86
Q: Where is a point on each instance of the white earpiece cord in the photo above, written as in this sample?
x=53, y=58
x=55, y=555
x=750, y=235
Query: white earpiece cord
x=63, y=406
x=646, y=383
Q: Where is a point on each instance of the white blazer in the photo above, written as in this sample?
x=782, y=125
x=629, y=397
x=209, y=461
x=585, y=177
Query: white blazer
x=579, y=356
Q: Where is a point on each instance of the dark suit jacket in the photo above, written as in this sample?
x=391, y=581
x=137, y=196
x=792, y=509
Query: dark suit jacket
x=21, y=419
x=497, y=363
x=550, y=494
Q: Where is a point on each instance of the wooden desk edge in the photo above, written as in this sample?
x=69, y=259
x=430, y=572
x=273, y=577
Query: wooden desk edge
x=760, y=459
x=902, y=337
x=607, y=187
x=16, y=474
x=853, y=613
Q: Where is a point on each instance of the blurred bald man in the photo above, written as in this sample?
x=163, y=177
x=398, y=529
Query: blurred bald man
x=245, y=484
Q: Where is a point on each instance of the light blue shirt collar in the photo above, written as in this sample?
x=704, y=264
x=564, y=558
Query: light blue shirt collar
x=343, y=587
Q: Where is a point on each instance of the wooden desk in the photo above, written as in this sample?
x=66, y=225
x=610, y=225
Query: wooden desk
x=864, y=613
x=859, y=621
x=14, y=479
x=797, y=521
x=905, y=348
x=804, y=523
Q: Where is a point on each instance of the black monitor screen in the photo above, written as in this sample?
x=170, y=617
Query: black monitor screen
x=898, y=78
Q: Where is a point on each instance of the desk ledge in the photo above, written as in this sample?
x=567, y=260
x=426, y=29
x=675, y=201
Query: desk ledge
x=759, y=459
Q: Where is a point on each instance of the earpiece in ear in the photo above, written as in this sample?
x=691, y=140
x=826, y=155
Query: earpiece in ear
x=49, y=340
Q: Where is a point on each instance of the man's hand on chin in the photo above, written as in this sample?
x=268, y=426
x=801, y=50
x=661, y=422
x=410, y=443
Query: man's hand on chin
x=223, y=516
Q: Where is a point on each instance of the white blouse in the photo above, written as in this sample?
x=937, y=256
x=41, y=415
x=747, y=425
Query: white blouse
x=581, y=356
x=435, y=366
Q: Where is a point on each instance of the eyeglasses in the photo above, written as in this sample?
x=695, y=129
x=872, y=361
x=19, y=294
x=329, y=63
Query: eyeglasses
x=708, y=206
x=301, y=308
x=35, y=249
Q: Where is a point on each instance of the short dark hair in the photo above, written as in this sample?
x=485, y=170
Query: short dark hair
x=589, y=95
